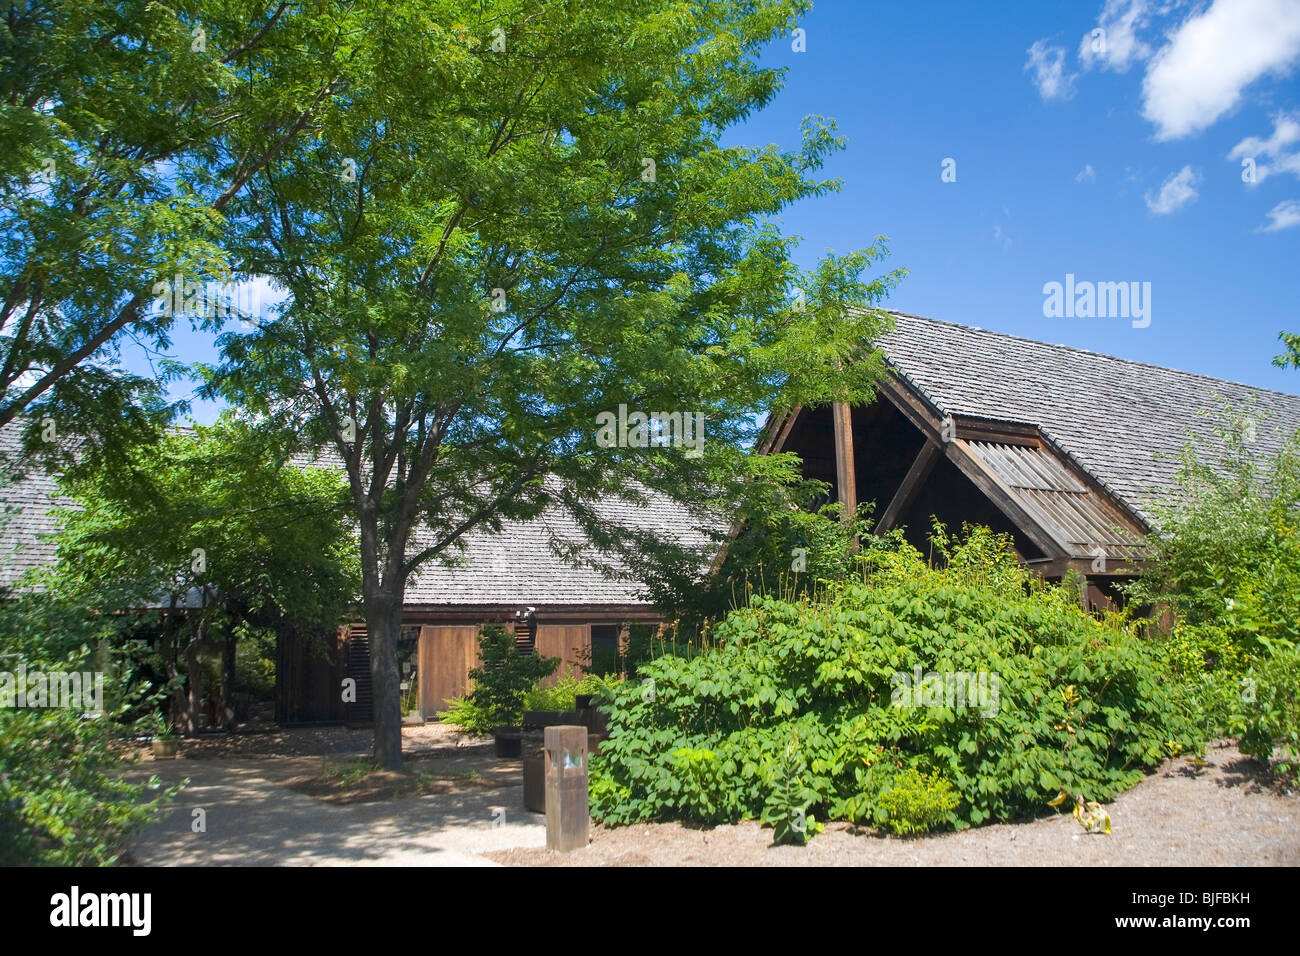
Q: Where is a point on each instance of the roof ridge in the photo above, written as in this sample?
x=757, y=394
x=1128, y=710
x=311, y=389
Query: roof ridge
x=1105, y=355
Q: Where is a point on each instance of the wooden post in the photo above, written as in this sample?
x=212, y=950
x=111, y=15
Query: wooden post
x=567, y=810
x=845, y=475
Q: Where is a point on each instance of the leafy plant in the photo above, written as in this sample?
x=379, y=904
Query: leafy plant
x=1268, y=711
x=788, y=799
x=158, y=727
x=562, y=695
x=915, y=802
x=63, y=798
x=468, y=716
x=1226, y=568
x=1067, y=702
x=505, y=676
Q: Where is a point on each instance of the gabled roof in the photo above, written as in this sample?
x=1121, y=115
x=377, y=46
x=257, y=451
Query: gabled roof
x=544, y=562
x=1123, y=422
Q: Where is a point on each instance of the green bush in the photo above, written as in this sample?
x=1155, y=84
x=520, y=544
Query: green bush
x=1267, y=716
x=1226, y=565
x=563, y=695
x=915, y=802
x=477, y=718
x=813, y=698
x=468, y=717
x=501, y=682
x=63, y=799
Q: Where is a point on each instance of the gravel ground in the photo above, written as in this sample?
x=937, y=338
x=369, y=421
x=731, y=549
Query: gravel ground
x=417, y=740
x=1225, y=813
x=253, y=818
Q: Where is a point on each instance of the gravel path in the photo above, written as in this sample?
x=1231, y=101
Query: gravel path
x=252, y=819
x=1226, y=813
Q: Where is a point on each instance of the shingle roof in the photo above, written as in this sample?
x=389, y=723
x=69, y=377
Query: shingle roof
x=1122, y=421
x=1113, y=416
x=25, y=514
x=526, y=563
x=523, y=564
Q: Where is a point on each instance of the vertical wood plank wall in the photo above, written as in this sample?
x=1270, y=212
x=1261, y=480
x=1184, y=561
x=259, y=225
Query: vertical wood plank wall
x=571, y=643
x=446, y=656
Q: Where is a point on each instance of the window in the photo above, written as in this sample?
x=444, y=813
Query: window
x=604, y=649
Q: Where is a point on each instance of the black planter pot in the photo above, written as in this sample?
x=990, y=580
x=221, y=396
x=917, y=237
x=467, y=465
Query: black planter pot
x=593, y=718
x=550, y=718
x=505, y=741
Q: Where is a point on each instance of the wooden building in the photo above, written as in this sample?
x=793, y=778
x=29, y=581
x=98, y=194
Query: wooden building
x=1066, y=450
x=540, y=579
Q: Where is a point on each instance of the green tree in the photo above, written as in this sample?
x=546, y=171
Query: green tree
x=1291, y=357
x=537, y=225
x=216, y=530
x=116, y=168
x=63, y=798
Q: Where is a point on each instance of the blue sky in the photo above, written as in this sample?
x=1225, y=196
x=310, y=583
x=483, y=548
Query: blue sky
x=1054, y=170
x=1114, y=161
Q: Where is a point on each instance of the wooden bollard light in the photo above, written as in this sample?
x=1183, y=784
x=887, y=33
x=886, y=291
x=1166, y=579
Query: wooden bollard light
x=567, y=810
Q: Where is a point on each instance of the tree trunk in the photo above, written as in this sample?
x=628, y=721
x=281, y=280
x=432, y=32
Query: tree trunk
x=194, y=681
x=383, y=624
x=228, y=680
x=171, y=669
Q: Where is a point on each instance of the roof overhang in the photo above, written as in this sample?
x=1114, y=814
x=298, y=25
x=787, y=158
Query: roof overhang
x=1075, y=520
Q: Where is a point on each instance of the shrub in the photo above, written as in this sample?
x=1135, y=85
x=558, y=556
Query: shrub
x=1268, y=713
x=915, y=802
x=1067, y=703
x=1226, y=564
x=500, y=683
x=63, y=800
x=562, y=695
x=468, y=717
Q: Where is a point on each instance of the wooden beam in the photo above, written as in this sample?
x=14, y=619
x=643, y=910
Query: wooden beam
x=918, y=413
x=778, y=432
x=924, y=463
x=845, y=475
x=998, y=492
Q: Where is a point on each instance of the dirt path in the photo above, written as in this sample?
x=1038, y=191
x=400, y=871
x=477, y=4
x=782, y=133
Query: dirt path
x=1225, y=813
x=253, y=817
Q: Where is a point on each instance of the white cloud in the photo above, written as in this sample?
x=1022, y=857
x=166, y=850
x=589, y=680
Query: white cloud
x=1212, y=57
x=1048, y=65
x=1001, y=237
x=1284, y=215
x=1281, y=158
x=1114, y=44
x=1177, y=191
x=1086, y=175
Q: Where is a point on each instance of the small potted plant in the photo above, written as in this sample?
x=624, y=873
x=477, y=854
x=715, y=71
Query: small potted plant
x=165, y=744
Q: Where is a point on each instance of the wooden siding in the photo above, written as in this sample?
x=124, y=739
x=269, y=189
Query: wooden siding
x=1059, y=501
x=571, y=643
x=446, y=656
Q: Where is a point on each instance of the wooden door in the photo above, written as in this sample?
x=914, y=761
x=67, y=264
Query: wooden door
x=571, y=643
x=446, y=656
